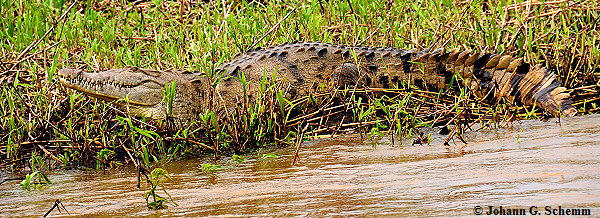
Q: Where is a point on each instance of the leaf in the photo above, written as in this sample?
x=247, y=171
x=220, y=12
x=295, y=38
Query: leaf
x=159, y=173
x=238, y=158
x=147, y=133
x=211, y=167
x=29, y=178
x=270, y=155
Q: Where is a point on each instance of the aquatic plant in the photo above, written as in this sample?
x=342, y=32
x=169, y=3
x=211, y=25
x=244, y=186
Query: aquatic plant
x=30, y=180
x=270, y=155
x=238, y=158
x=206, y=167
x=157, y=178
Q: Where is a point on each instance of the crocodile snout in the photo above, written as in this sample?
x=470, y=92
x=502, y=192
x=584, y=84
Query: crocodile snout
x=69, y=72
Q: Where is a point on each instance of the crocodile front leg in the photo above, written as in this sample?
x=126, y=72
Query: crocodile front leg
x=351, y=75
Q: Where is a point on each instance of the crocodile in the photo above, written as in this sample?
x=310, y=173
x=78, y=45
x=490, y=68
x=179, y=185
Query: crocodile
x=307, y=66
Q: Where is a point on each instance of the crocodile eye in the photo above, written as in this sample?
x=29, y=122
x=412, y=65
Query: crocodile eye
x=196, y=81
x=132, y=68
x=153, y=73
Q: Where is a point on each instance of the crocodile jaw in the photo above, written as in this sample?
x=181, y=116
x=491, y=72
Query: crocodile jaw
x=140, y=92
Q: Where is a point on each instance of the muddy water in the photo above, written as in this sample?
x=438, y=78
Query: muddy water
x=533, y=163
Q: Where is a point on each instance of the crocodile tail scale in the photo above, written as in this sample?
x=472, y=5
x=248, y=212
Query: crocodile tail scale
x=501, y=76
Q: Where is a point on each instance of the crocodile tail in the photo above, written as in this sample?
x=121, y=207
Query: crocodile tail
x=502, y=76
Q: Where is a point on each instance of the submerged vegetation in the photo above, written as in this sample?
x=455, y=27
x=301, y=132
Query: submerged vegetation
x=41, y=120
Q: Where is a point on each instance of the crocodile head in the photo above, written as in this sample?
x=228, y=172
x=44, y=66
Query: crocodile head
x=140, y=91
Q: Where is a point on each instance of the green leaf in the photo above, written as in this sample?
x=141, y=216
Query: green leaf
x=211, y=167
x=270, y=155
x=27, y=183
x=147, y=133
x=238, y=158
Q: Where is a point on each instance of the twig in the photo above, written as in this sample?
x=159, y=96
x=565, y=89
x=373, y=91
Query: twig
x=374, y=31
x=57, y=204
x=298, y=142
x=36, y=43
x=47, y=141
x=48, y=153
x=350, y=5
x=190, y=140
x=130, y=156
x=11, y=179
x=272, y=28
x=11, y=162
x=530, y=3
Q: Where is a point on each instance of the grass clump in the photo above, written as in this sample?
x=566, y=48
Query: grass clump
x=41, y=36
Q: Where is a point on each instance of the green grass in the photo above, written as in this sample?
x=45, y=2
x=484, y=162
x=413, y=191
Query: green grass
x=36, y=110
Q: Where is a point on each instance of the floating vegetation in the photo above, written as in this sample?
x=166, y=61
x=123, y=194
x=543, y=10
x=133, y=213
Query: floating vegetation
x=270, y=155
x=238, y=158
x=206, y=167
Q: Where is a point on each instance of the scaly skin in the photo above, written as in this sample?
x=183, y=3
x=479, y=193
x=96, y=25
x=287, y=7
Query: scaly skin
x=140, y=91
x=306, y=67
